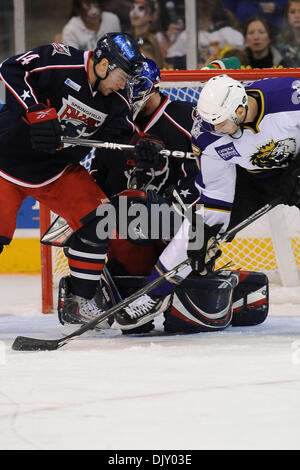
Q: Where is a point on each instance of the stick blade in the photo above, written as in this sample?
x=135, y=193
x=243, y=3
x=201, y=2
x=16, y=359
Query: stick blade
x=23, y=343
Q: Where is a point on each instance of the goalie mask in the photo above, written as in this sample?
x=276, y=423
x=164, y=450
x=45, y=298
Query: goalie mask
x=144, y=86
x=219, y=100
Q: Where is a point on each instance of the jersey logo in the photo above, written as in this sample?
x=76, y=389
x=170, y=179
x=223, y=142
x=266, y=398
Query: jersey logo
x=60, y=49
x=124, y=46
x=78, y=119
x=274, y=154
x=227, y=151
x=43, y=114
x=72, y=84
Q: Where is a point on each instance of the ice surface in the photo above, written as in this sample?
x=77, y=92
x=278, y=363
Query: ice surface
x=236, y=389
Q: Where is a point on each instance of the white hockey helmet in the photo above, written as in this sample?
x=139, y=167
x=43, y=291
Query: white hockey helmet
x=219, y=99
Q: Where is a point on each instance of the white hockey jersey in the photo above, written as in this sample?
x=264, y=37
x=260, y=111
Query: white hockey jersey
x=267, y=144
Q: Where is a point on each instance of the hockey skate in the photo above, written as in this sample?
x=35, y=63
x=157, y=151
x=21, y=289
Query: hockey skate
x=73, y=309
x=141, y=311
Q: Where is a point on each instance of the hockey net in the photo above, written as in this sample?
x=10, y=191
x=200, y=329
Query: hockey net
x=270, y=245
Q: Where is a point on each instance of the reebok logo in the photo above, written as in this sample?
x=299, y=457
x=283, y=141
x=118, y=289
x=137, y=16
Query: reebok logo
x=43, y=114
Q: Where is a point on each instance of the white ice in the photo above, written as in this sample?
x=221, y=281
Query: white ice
x=236, y=389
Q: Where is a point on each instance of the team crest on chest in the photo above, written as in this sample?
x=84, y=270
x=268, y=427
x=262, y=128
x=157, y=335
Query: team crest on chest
x=274, y=153
x=78, y=119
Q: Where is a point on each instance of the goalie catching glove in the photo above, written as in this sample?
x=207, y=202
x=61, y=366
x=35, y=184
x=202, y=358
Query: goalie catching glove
x=45, y=128
x=203, y=259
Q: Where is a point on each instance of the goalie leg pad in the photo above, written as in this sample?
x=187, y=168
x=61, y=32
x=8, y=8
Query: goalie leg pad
x=250, y=299
x=202, y=304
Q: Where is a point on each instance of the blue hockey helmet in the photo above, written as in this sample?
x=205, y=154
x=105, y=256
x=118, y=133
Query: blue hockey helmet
x=121, y=50
x=148, y=79
x=144, y=85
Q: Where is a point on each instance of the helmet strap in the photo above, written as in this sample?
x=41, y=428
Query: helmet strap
x=98, y=78
x=240, y=125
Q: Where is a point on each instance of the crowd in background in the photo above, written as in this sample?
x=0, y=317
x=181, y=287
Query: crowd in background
x=260, y=33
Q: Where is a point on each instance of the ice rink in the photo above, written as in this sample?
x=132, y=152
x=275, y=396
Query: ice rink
x=236, y=389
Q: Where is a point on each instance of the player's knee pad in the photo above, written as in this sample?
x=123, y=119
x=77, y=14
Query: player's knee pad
x=250, y=299
x=202, y=304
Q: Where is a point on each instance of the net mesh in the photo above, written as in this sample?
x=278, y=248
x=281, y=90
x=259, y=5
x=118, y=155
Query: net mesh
x=253, y=248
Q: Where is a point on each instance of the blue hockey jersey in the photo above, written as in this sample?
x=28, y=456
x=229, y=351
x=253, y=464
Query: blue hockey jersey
x=55, y=74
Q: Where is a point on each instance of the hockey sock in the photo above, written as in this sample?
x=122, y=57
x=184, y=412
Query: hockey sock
x=86, y=256
x=165, y=287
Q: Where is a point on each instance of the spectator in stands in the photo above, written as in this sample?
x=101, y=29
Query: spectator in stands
x=260, y=44
x=88, y=22
x=215, y=31
x=272, y=10
x=168, y=26
x=120, y=8
x=289, y=38
x=142, y=16
x=238, y=52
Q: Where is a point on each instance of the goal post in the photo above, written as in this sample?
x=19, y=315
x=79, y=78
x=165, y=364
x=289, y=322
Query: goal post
x=271, y=245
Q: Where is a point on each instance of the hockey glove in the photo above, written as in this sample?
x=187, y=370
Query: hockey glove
x=45, y=128
x=184, y=193
x=147, y=153
x=203, y=259
x=290, y=186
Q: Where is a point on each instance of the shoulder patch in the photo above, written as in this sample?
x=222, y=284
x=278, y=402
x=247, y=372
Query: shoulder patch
x=59, y=48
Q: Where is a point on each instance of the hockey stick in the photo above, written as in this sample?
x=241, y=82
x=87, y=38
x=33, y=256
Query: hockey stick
x=116, y=146
x=23, y=343
x=227, y=236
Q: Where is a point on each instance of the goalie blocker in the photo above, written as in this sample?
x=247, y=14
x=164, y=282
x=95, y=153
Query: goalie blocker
x=200, y=304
